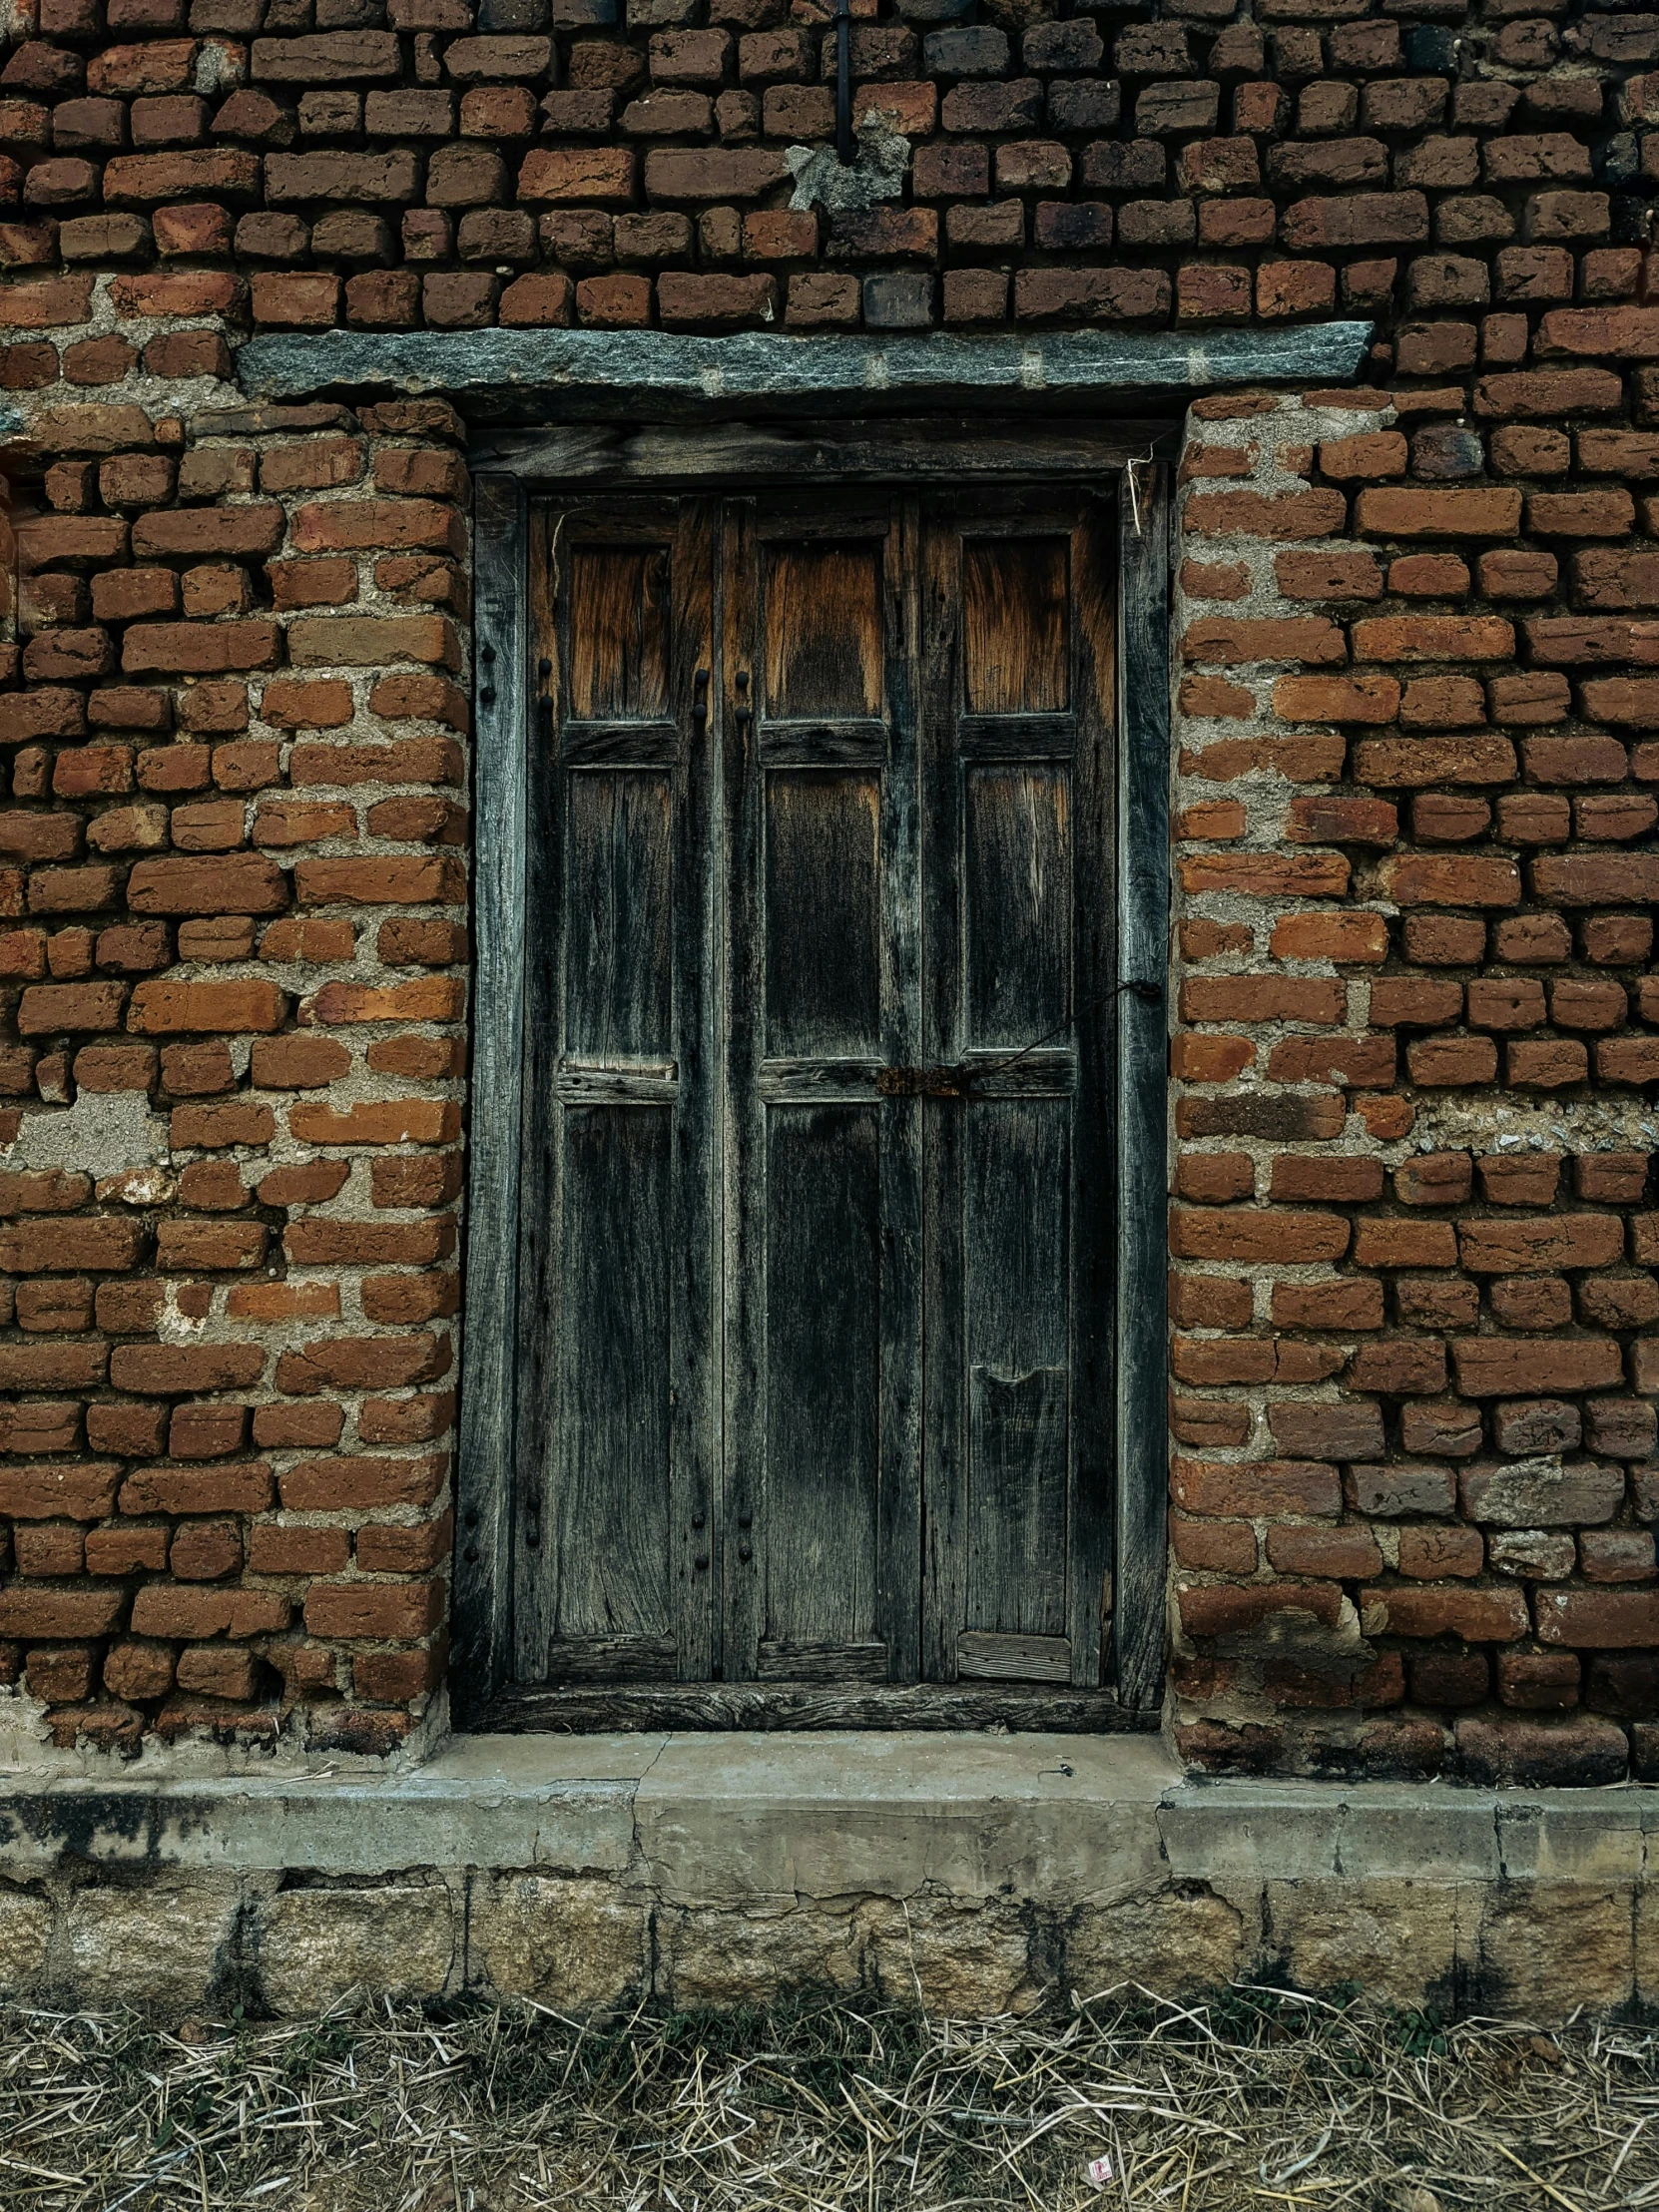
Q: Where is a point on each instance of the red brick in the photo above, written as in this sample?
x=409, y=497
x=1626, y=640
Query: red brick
x=1344, y=1555
x=362, y=1484
x=1430, y=1553
x=379, y=1609
x=1479, y=1615
x=1257, y=1235
x=31, y=1612
x=1494, y=1367
x=185, y=1611
x=1599, y=1620
x=1461, y=880
x=160, y=1007
x=1416, y=512
x=1221, y=1609
x=82, y=1491
x=1230, y=1489
x=1282, y=516
x=242, y=884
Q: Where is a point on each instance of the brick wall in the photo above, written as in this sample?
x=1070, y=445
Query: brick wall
x=1413, y=1367
x=1414, y=1362
x=232, y=890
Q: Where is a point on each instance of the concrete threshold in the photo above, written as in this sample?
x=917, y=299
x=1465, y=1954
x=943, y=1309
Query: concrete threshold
x=982, y=1873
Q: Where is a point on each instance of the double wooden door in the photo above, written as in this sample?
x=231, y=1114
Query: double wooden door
x=815, y=1352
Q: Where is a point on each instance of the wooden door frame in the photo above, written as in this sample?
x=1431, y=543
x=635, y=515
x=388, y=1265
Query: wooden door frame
x=511, y=468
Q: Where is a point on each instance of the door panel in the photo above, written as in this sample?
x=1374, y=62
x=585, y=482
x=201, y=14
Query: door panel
x=616, y=1339
x=823, y=908
x=824, y=1321
x=619, y=997
x=619, y=632
x=1017, y=887
x=1016, y=900
x=1014, y=625
x=613, y=1444
x=1015, y=1269
x=817, y=1351
x=821, y=1523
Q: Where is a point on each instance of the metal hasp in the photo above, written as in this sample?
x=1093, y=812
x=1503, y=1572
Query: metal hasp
x=846, y=152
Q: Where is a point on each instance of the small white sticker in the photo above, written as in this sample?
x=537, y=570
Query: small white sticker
x=1098, y=2172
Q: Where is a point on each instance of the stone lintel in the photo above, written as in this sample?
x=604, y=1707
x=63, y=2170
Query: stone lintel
x=657, y=373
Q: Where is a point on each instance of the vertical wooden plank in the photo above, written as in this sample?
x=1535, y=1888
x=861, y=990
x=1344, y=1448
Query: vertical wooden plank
x=817, y=1527
x=1020, y=885
x=540, y=1371
x=484, y=1554
x=606, y=1526
x=823, y=1307
x=944, y=1412
x=695, y=1337
x=1143, y=965
x=1096, y=1476
x=1017, y=1284
x=898, y=1608
x=743, y=1165
x=616, y=1325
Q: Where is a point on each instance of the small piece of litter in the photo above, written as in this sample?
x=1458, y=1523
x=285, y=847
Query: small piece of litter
x=1098, y=2172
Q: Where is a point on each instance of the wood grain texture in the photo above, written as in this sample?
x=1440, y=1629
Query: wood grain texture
x=823, y=1307
x=818, y=1375
x=943, y=450
x=1014, y=610
x=488, y=1400
x=1018, y=923
x=1098, y=832
x=1144, y=525
x=815, y=1705
x=616, y=1325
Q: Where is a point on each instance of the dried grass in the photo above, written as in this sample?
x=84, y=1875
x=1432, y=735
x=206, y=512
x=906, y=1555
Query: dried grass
x=1254, y=2097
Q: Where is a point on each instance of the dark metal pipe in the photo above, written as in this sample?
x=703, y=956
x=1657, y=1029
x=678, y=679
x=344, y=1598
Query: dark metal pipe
x=846, y=152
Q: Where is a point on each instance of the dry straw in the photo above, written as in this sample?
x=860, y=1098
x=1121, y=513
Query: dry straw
x=1254, y=2097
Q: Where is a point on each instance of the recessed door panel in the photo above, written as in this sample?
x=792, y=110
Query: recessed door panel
x=616, y=1339
x=820, y=1513
x=614, y=1437
x=1017, y=899
x=822, y=912
x=822, y=621
x=1018, y=892
x=1014, y=625
x=619, y=1000
x=620, y=615
x=1018, y=1329
x=823, y=1317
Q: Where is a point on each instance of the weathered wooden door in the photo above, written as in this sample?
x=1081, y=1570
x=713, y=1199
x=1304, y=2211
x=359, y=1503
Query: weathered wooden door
x=822, y=1259
x=816, y=1350
x=1017, y=899
x=618, y=1320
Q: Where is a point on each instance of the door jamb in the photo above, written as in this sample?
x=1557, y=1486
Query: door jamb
x=504, y=695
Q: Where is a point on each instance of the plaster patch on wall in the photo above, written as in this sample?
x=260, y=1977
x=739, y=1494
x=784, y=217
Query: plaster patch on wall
x=823, y=181
x=101, y=1134
x=1487, y=1124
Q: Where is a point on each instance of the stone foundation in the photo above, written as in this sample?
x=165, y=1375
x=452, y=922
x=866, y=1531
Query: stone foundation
x=975, y=1875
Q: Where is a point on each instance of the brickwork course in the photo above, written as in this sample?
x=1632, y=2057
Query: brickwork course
x=1414, y=1230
